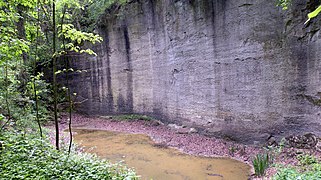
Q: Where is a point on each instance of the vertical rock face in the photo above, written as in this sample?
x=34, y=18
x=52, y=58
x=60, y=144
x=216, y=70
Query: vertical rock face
x=238, y=69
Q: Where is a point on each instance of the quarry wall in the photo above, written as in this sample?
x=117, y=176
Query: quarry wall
x=242, y=70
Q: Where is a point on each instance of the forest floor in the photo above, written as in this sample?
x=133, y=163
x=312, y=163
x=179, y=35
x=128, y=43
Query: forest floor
x=190, y=143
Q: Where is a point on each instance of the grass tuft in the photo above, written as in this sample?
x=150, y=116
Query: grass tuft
x=260, y=163
x=129, y=117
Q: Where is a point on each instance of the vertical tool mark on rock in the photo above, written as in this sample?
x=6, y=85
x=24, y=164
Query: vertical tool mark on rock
x=110, y=99
x=129, y=106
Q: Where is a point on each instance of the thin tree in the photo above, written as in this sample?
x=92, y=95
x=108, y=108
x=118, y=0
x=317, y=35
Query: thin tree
x=35, y=71
x=54, y=69
x=65, y=57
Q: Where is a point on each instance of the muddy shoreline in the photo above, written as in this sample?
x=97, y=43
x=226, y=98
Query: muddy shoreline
x=190, y=143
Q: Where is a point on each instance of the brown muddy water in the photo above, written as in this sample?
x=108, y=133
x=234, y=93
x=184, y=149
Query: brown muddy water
x=158, y=162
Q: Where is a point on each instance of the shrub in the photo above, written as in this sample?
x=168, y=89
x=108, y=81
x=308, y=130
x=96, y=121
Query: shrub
x=290, y=172
x=25, y=156
x=306, y=159
x=309, y=168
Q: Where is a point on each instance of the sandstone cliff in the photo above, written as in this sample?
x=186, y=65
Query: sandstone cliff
x=238, y=69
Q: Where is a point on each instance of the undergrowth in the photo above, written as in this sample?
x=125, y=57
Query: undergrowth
x=128, y=117
x=25, y=156
x=309, y=168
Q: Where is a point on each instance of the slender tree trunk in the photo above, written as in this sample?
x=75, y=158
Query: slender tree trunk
x=54, y=69
x=21, y=32
x=70, y=106
x=21, y=29
x=67, y=79
x=35, y=72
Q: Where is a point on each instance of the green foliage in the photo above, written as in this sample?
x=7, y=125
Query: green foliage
x=11, y=46
x=260, y=163
x=309, y=168
x=2, y=117
x=24, y=156
x=289, y=173
x=77, y=38
x=128, y=117
x=14, y=102
x=70, y=4
x=2, y=121
x=284, y=4
x=41, y=86
x=20, y=102
x=306, y=159
x=313, y=14
x=93, y=11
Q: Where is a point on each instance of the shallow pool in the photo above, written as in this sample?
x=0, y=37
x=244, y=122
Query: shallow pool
x=154, y=161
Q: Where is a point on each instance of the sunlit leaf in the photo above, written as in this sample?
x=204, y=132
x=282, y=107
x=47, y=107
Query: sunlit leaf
x=313, y=14
x=58, y=72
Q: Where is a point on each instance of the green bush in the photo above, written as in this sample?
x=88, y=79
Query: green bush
x=306, y=159
x=25, y=156
x=289, y=173
x=309, y=169
x=260, y=163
